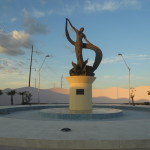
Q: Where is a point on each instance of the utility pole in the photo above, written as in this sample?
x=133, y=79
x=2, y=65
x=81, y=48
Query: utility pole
x=61, y=80
x=30, y=66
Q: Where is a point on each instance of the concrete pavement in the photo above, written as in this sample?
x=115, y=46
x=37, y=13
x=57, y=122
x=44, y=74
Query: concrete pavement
x=99, y=134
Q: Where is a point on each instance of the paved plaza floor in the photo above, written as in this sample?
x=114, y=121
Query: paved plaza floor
x=131, y=131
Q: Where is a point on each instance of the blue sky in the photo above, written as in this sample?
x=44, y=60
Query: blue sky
x=116, y=26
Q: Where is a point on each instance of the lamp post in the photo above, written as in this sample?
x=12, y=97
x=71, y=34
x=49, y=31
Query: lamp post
x=39, y=76
x=129, y=69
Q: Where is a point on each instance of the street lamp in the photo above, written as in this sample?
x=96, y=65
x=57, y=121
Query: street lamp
x=39, y=76
x=129, y=69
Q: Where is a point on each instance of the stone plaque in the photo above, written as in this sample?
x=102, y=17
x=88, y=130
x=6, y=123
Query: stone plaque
x=79, y=91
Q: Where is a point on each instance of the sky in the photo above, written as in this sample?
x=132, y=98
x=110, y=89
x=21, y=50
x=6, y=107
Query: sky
x=115, y=26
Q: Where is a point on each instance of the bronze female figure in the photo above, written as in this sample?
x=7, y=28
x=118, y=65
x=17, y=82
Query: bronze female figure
x=81, y=68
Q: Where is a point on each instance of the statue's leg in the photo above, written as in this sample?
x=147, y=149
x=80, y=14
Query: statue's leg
x=78, y=49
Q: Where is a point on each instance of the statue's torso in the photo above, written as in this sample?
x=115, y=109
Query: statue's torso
x=79, y=36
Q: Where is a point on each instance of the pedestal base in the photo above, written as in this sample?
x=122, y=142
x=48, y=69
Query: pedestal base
x=80, y=92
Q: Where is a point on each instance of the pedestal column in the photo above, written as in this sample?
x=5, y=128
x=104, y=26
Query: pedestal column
x=80, y=92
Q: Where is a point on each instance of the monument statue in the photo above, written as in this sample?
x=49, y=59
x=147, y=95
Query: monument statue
x=81, y=68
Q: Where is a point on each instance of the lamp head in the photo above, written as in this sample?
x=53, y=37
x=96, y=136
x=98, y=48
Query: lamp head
x=120, y=54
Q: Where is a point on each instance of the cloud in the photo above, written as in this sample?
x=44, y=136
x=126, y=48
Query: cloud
x=91, y=6
x=12, y=43
x=134, y=57
x=1, y=67
x=18, y=84
x=64, y=10
x=67, y=9
x=43, y=2
x=94, y=6
x=11, y=66
x=38, y=13
x=138, y=57
x=109, y=5
x=66, y=67
x=111, y=60
x=31, y=25
x=90, y=62
x=13, y=19
x=72, y=51
x=108, y=77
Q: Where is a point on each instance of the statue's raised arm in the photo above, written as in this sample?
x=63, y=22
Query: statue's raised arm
x=67, y=20
x=67, y=33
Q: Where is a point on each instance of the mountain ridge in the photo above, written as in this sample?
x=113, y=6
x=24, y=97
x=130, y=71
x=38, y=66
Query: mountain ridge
x=61, y=95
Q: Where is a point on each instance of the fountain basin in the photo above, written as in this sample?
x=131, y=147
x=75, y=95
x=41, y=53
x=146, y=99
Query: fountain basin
x=96, y=113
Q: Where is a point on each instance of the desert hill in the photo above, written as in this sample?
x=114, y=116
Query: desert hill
x=60, y=95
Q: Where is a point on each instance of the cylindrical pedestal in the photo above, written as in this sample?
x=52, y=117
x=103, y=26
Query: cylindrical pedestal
x=80, y=92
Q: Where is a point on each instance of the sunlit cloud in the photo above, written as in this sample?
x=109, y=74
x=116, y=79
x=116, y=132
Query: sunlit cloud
x=12, y=43
x=109, y=5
